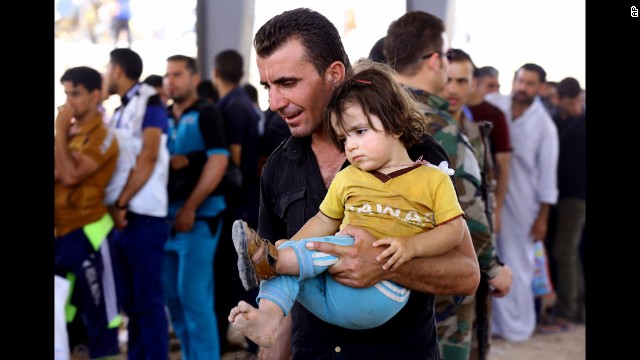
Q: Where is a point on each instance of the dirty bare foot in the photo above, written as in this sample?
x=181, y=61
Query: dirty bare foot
x=259, y=325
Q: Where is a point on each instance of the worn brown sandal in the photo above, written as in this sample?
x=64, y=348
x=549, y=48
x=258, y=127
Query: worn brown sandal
x=247, y=244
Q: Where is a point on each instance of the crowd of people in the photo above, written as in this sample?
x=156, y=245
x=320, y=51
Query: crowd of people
x=383, y=209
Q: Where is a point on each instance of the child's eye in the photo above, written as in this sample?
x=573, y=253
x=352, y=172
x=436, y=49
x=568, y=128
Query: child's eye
x=342, y=139
x=361, y=131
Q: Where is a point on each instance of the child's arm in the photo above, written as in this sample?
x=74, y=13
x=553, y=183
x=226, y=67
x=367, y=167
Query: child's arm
x=440, y=240
x=319, y=225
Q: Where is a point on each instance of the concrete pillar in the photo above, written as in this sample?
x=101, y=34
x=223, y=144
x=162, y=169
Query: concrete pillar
x=440, y=8
x=222, y=25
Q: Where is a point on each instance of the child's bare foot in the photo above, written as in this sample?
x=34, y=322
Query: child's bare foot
x=258, y=325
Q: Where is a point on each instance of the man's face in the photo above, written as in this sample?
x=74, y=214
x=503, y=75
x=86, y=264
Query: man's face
x=80, y=99
x=110, y=78
x=296, y=91
x=459, y=85
x=179, y=83
x=525, y=86
x=488, y=84
x=570, y=106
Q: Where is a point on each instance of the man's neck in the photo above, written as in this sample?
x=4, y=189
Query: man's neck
x=320, y=140
x=475, y=99
x=517, y=109
x=125, y=86
x=328, y=157
x=457, y=116
x=179, y=107
x=84, y=120
x=224, y=88
x=416, y=82
x=563, y=115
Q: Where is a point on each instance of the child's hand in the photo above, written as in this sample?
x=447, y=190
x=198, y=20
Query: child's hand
x=399, y=251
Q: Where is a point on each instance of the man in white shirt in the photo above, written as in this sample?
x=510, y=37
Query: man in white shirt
x=531, y=191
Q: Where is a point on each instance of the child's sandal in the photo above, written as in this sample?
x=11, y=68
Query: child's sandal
x=247, y=244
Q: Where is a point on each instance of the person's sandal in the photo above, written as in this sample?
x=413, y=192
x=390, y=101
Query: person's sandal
x=248, y=243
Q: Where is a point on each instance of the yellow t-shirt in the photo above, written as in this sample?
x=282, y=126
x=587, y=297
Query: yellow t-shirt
x=76, y=206
x=403, y=203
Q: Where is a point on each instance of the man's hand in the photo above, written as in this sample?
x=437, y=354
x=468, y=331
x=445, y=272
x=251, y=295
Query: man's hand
x=184, y=220
x=501, y=284
x=64, y=119
x=357, y=266
x=178, y=162
x=119, y=217
x=539, y=229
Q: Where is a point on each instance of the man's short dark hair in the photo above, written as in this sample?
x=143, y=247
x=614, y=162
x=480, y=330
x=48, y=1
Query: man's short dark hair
x=459, y=55
x=207, y=91
x=410, y=37
x=569, y=88
x=251, y=91
x=190, y=62
x=129, y=61
x=485, y=71
x=85, y=76
x=377, y=51
x=229, y=64
x=542, y=75
x=318, y=35
x=153, y=80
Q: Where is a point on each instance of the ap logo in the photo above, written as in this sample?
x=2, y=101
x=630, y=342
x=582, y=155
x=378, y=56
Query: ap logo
x=634, y=11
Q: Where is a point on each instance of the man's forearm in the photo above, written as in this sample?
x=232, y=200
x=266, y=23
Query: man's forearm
x=502, y=160
x=138, y=177
x=454, y=273
x=210, y=178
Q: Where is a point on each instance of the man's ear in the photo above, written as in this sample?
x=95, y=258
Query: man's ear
x=96, y=96
x=435, y=62
x=117, y=71
x=335, y=73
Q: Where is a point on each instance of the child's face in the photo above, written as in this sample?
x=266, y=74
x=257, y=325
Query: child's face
x=366, y=148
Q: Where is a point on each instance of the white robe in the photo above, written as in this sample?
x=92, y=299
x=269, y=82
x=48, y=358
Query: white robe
x=532, y=180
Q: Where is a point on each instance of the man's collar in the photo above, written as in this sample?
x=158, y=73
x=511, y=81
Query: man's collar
x=129, y=94
x=90, y=125
x=296, y=146
x=429, y=99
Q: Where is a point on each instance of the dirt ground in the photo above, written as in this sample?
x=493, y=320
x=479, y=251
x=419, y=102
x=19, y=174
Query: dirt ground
x=568, y=345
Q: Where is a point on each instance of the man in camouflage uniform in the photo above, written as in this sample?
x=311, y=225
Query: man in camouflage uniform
x=460, y=85
x=415, y=45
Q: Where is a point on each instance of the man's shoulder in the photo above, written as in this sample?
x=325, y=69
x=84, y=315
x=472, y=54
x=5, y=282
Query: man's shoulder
x=239, y=102
x=488, y=110
x=441, y=121
x=429, y=149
